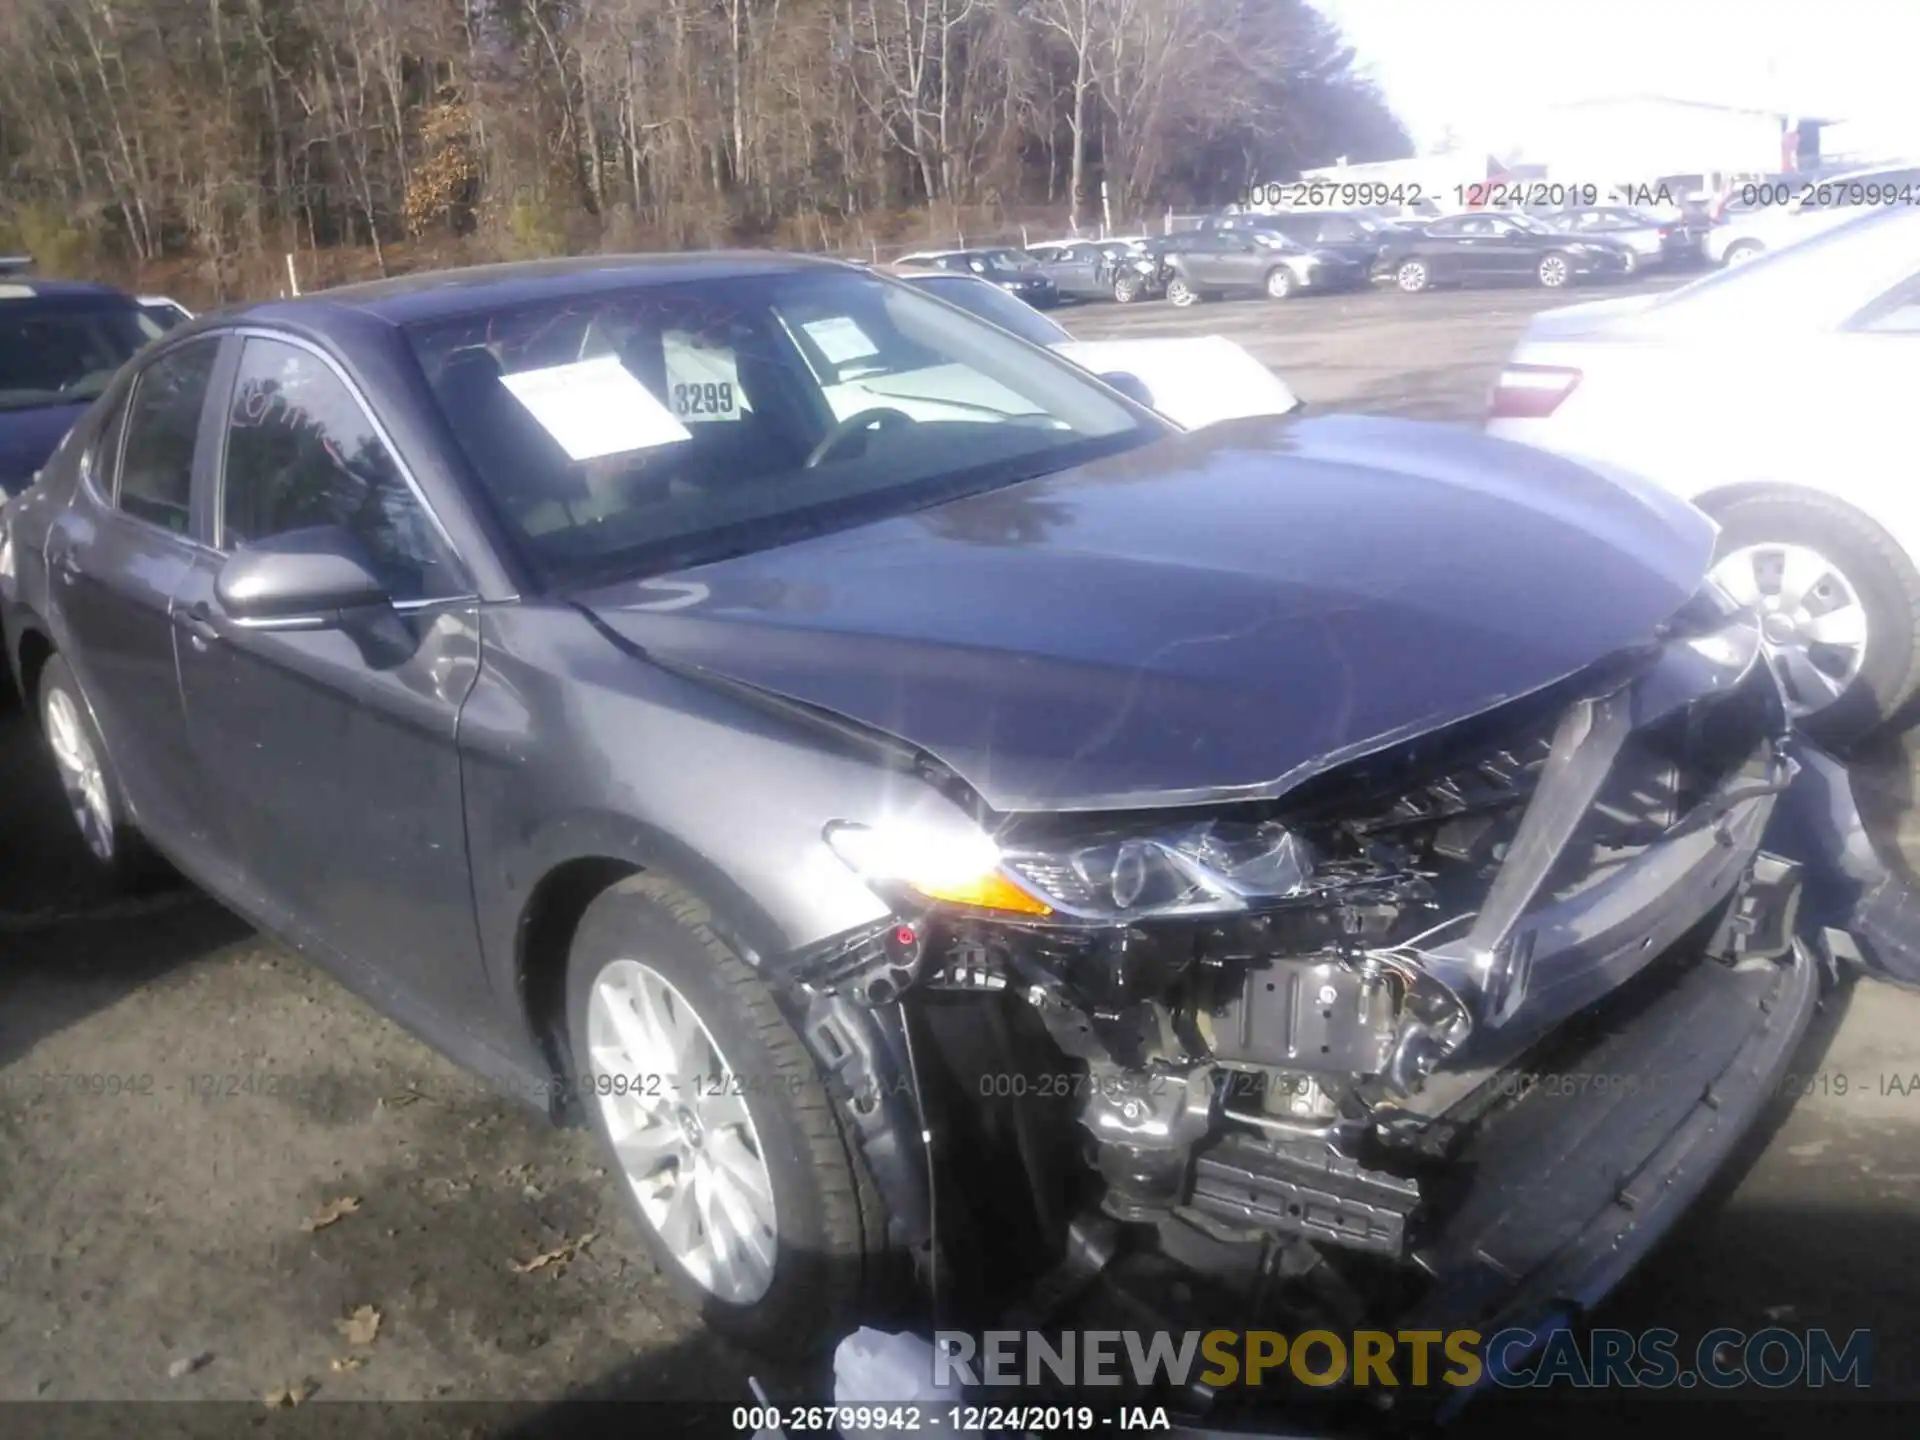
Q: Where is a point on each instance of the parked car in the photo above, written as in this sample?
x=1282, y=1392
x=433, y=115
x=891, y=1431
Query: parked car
x=1193, y=380
x=1485, y=247
x=1650, y=240
x=1096, y=269
x=1009, y=269
x=1213, y=262
x=1795, y=208
x=1775, y=397
x=768, y=789
x=60, y=345
x=1351, y=236
x=165, y=311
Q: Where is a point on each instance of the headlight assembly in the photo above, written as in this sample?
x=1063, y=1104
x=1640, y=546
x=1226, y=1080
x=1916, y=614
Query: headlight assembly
x=1209, y=868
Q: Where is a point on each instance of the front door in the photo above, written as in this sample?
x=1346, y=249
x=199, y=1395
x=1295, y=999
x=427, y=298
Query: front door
x=330, y=751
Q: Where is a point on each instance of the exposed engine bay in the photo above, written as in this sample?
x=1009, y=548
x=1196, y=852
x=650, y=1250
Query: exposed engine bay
x=1244, y=1047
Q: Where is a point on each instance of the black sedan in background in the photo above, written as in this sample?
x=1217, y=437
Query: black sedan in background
x=1487, y=248
x=1011, y=270
x=1345, y=235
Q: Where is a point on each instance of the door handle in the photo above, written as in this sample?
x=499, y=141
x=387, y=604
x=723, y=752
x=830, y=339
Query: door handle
x=197, y=621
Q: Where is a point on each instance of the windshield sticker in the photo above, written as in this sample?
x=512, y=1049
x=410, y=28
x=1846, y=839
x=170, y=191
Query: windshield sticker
x=840, y=339
x=595, y=407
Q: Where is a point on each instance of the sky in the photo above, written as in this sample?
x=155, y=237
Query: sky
x=1479, y=68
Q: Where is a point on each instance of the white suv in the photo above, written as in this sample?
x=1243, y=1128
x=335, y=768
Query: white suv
x=1779, y=398
x=1807, y=208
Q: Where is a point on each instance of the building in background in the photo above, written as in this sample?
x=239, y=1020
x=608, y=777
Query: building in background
x=1640, y=139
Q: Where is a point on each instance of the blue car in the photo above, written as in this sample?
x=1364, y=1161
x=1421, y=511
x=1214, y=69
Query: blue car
x=60, y=345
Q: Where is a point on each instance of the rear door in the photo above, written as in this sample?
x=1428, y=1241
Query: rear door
x=115, y=559
x=329, y=751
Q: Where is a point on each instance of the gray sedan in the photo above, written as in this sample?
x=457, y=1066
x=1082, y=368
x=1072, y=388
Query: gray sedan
x=944, y=829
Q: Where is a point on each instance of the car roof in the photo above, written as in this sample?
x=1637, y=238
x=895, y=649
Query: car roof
x=444, y=294
x=29, y=287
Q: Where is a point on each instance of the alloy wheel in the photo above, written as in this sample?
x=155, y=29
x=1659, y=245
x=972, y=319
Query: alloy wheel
x=681, y=1130
x=1279, y=285
x=1553, y=272
x=81, y=774
x=1813, y=626
x=1411, y=277
x=1126, y=289
x=1180, y=292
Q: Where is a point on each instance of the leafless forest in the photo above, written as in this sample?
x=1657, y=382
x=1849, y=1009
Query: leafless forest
x=197, y=142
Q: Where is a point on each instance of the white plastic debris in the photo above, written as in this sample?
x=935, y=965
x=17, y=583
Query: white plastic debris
x=873, y=1367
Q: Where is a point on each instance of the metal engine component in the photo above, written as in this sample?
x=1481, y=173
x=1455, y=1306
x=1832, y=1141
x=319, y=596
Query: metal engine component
x=1146, y=1126
x=1321, y=1017
x=1304, y=1188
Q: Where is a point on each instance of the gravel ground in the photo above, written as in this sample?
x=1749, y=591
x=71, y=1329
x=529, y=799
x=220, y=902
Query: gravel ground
x=191, y=1235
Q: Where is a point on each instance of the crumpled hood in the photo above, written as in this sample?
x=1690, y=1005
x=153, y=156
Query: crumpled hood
x=1218, y=615
x=27, y=438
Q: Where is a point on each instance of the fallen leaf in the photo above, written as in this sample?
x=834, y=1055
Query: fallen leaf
x=557, y=1256
x=331, y=1211
x=348, y=1362
x=361, y=1326
x=287, y=1396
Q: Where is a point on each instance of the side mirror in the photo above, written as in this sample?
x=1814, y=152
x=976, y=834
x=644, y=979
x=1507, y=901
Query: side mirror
x=302, y=580
x=1131, y=386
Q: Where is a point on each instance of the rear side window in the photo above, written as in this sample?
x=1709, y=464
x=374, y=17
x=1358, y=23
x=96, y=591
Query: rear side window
x=301, y=452
x=163, y=421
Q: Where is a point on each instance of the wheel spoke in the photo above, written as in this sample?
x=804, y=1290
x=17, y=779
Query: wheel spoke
x=741, y=1225
x=1845, y=626
x=680, y=1217
x=746, y=1174
x=1800, y=571
x=721, y=1107
x=1809, y=684
x=1738, y=576
x=645, y=1150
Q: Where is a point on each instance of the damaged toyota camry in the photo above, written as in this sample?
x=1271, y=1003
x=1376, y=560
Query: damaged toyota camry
x=1031, y=862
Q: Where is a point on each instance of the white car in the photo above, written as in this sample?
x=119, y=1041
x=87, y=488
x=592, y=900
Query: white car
x=164, y=310
x=1807, y=208
x=1777, y=397
x=1193, y=380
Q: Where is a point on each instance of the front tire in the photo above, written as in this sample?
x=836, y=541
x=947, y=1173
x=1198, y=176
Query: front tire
x=1839, y=602
x=1412, y=276
x=1280, y=283
x=1554, y=271
x=720, y=1133
x=1126, y=289
x=1180, y=292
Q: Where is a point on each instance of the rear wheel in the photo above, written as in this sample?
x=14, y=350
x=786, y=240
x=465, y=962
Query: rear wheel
x=86, y=775
x=1412, y=276
x=1555, y=270
x=720, y=1132
x=1838, y=602
x=1181, y=292
x=1279, y=283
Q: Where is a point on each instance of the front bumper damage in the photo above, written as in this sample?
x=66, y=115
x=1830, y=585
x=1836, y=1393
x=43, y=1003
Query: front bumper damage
x=1559, y=961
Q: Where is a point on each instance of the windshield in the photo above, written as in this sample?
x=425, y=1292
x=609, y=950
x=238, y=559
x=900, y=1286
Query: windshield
x=64, y=352
x=993, y=305
x=626, y=432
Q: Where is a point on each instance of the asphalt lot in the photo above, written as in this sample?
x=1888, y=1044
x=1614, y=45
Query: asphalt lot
x=138, y=1230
